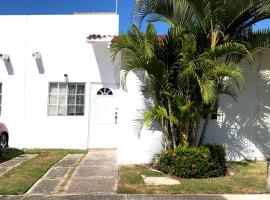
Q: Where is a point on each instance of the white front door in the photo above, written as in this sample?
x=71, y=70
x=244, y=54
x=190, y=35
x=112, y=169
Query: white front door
x=103, y=116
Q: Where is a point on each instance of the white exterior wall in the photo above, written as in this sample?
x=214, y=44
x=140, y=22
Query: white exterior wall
x=61, y=40
x=244, y=126
x=138, y=143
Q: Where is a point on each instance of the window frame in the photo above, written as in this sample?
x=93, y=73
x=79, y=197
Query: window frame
x=66, y=104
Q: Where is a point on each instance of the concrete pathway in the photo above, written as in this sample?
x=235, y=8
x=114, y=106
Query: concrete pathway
x=139, y=197
x=96, y=174
x=54, y=180
x=8, y=165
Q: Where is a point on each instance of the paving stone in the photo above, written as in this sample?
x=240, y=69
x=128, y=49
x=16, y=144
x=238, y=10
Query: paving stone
x=67, y=162
x=57, y=172
x=88, y=186
x=45, y=187
x=26, y=156
x=3, y=169
x=100, y=156
x=12, y=197
x=160, y=181
x=45, y=197
x=104, y=153
x=74, y=156
x=78, y=197
x=88, y=172
x=11, y=163
x=99, y=162
x=96, y=197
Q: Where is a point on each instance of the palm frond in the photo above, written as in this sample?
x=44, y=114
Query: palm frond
x=143, y=8
x=259, y=38
x=208, y=90
x=225, y=49
x=186, y=108
x=232, y=71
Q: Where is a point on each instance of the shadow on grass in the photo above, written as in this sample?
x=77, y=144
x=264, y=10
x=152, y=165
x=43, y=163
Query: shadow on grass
x=10, y=154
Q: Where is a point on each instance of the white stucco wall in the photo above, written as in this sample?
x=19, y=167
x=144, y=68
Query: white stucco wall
x=244, y=126
x=61, y=40
x=138, y=143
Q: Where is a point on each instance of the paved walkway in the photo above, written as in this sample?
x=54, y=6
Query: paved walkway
x=8, y=165
x=54, y=180
x=94, y=173
x=139, y=197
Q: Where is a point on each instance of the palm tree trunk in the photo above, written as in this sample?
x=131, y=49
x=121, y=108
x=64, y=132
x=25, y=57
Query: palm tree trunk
x=196, y=131
x=173, y=136
x=170, y=126
x=204, y=130
x=165, y=135
x=185, y=135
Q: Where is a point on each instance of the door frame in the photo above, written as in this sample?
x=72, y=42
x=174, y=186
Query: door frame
x=90, y=106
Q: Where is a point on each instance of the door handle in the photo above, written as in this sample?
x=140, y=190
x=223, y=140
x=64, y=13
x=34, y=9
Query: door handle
x=115, y=117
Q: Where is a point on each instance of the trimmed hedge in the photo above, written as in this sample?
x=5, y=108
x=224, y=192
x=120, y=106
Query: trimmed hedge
x=194, y=162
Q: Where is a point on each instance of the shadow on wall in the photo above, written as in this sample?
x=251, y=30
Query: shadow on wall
x=245, y=136
x=235, y=130
x=104, y=62
x=40, y=66
x=149, y=138
x=9, y=67
x=244, y=126
x=262, y=135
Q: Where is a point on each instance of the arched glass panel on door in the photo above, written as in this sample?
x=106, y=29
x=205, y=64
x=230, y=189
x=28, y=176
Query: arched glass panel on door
x=104, y=91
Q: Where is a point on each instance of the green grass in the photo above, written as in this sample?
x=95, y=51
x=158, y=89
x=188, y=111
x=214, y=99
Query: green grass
x=20, y=179
x=11, y=153
x=249, y=178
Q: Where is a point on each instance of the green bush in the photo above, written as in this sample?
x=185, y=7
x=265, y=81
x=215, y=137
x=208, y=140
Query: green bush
x=194, y=162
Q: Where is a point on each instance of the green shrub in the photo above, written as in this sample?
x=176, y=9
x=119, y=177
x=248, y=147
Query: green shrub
x=194, y=162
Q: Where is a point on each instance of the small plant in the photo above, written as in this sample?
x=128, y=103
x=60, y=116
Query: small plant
x=194, y=162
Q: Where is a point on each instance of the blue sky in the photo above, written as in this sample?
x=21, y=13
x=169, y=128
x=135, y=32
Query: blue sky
x=70, y=6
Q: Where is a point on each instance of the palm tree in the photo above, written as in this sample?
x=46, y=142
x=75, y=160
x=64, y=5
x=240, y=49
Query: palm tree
x=211, y=22
x=180, y=79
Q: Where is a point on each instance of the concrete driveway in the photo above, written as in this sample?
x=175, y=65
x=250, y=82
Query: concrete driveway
x=94, y=173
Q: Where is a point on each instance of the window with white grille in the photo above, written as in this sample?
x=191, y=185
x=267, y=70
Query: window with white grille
x=66, y=99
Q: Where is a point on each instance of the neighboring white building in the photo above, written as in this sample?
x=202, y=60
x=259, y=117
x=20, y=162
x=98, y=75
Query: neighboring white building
x=244, y=126
x=58, y=90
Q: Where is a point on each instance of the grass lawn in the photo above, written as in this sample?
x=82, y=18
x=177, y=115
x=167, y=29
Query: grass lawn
x=20, y=179
x=249, y=178
x=11, y=153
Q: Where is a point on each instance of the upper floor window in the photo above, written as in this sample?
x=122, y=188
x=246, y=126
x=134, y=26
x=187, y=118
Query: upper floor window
x=66, y=99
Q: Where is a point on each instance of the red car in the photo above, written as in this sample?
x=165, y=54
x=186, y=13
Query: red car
x=3, y=139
